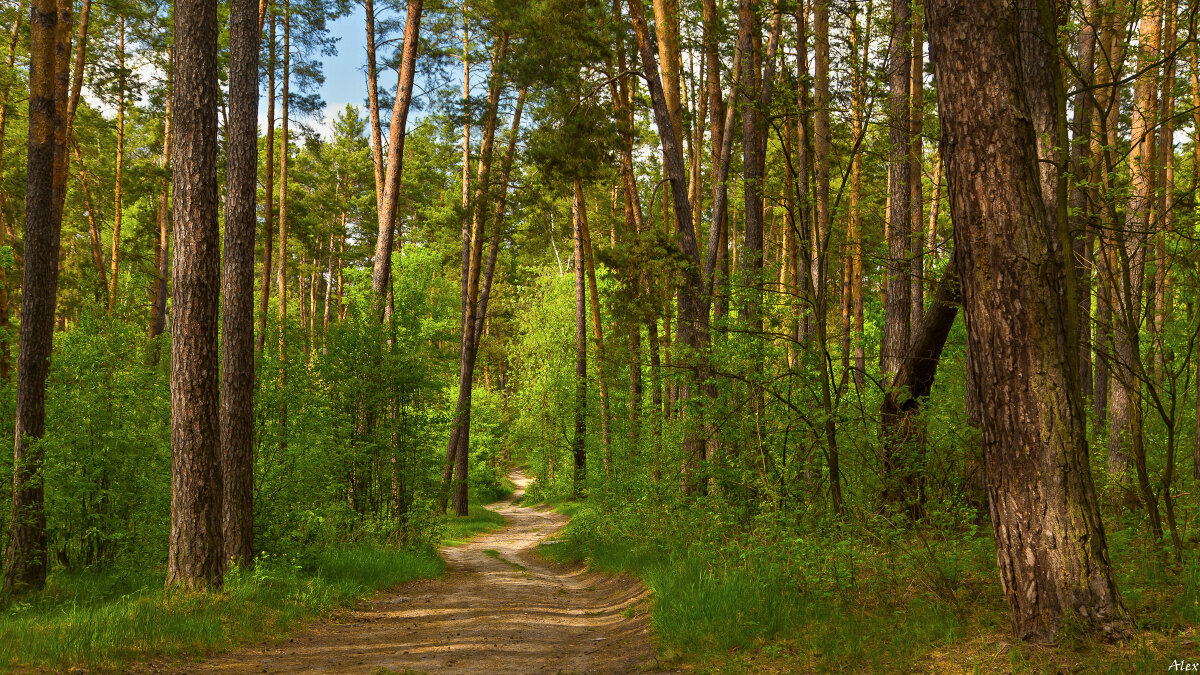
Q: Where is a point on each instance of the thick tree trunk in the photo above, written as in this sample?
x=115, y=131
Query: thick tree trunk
x=196, y=556
x=237, y=287
x=1050, y=542
x=25, y=559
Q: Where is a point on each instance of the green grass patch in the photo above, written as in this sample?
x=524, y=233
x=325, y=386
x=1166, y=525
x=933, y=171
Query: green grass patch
x=478, y=520
x=95, y=620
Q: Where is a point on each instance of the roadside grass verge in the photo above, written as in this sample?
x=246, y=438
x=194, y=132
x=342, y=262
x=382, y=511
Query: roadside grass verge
x=98, y=620
x=478, y=520
x=756, y=602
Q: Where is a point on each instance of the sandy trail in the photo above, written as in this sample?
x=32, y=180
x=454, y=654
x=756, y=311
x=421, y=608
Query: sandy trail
x=507, y=612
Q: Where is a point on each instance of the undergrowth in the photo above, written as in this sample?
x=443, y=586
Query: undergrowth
x=869, y=596
x=103, y=620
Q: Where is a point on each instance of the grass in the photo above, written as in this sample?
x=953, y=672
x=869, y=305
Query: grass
x=779, y=606
x=95, y=620
x=477, y=521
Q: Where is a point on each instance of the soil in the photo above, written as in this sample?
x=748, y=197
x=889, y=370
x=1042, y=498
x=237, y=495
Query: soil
x=499, y=609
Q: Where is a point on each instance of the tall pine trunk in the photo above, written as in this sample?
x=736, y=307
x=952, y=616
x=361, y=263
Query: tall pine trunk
x=237, y=287
x=196, y=556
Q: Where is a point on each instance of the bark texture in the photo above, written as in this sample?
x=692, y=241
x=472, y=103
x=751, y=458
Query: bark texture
x=1050, y=544
x=237, y=288
x=25, y=559
x=195, y=558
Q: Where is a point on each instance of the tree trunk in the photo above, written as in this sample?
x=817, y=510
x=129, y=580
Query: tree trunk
x=902, y=430
x=281, y=263
x=1125, y=405
x=1051, y=549
x=25, y=559
x=693, y=302
x=598, y=336
x=1081, y=224
x=898, y=304
x=6, y=229
x=578, y=445
x=373, y=101
x=196, y=555
x=264, y=301
x=382, y=273
x=237, y=287
x=916, y=208
x=118, y=204
x=162, y=217
x=472, y=247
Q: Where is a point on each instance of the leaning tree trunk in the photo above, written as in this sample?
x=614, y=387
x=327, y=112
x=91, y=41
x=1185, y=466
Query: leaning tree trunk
x=1051, y=549
x=195, y=558
x=381, y=275
x=901, y=428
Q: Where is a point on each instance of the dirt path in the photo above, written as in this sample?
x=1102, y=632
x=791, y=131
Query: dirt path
x=500, y=609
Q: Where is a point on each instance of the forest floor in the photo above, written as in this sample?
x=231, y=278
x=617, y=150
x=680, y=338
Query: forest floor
x=499, y=609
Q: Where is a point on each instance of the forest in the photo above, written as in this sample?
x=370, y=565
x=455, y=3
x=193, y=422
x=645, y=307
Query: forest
x=748, y=336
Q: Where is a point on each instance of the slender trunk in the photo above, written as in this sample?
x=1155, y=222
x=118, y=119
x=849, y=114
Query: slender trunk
x=693, y=304
x=382, y=273
x=162, y=217
x=1081, y=219
x=898, y=305
x=578, y=447
x=6, y=229
x=118, y=204
x=264, y=300
x=281, y=263
x=373, y=101
x=472, y=246
x=598, y=336
x=102, y=288
x=1125, y=407
x=916, y=208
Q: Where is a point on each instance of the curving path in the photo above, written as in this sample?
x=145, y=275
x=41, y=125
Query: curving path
x=499, y=609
